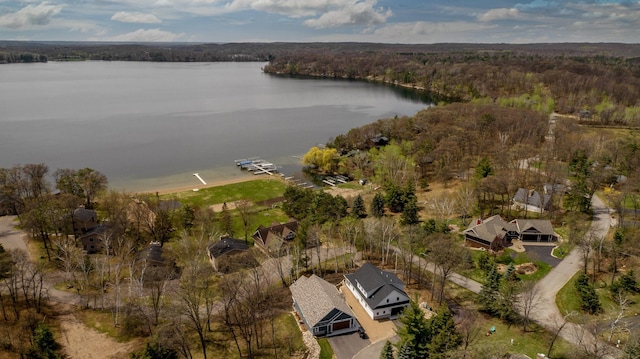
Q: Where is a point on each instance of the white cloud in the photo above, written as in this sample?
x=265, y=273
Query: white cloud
x=416, y=30
x=135, y=17
x=143, y=35
x=30, y=15
x=499, y=14
x=356, y=13
x=330, y=12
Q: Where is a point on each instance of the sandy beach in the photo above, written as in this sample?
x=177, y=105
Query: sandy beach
x=215, y=183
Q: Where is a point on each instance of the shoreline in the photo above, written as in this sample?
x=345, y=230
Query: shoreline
x=199, y=186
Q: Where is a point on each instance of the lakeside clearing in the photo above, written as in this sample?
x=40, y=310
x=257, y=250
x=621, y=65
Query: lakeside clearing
x=199, y=186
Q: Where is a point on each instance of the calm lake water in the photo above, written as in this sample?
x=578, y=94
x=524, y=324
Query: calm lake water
x=152, y=125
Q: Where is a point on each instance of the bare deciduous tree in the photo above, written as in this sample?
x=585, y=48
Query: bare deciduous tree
x=447, y=256
x=468, y=325
x=528, y=299
x=246, y=213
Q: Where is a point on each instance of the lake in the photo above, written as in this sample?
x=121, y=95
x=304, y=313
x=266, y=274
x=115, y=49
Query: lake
x=152, y=125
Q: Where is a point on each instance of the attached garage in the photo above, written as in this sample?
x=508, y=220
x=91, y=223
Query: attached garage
x=321, y=307
x=345, y=324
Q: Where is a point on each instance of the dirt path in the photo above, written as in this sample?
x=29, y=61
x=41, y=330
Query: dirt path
x=81, y=342
x=77, y=340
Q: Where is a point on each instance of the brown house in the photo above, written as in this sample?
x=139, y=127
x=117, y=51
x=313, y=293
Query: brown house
x=153, y=264
x=93, y=240
x=535, y=230
x=493, y=233
x=272, y=240
x=84, y=220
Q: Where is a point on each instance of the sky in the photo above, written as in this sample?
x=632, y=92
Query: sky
x=386, y=21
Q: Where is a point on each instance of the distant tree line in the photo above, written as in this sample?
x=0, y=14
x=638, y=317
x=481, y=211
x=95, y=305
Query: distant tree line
x=598, y=88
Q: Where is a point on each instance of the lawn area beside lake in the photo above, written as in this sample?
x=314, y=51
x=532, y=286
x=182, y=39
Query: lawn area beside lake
x=255, y=191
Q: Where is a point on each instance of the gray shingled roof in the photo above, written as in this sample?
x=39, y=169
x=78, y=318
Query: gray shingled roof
x=226, y=245
x=317, y=298
x=490, y=228
x=378, y=283
x=84, y=215
x=532, y=198
x=541, y=225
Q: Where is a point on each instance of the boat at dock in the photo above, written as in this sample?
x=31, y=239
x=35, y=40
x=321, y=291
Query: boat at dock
x=257, y=165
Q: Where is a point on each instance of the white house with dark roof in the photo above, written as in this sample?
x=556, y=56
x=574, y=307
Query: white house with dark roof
x=321, y=307
x=380, y=293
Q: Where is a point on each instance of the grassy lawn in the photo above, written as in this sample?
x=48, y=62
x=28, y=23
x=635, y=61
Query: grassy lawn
x=563, y=250
x=569, y=301
x=479, y=275
x=543, y=268
x=102, y=321
x=529, y=343
x=535, y=340
x=325, y=349
x=264, y=217
x=254, y=191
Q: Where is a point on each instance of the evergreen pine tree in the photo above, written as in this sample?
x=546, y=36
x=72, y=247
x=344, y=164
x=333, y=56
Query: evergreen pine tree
x=406, y=352
x=629, y=283
x=445, y=337
x=489, y=293
x=395, y=199
x=43, y=343
x=377, y=205
x=510, y=273
x=358, y=210
x=589, y=300
x=410, y=213
x=414, y=331
x=387, y=351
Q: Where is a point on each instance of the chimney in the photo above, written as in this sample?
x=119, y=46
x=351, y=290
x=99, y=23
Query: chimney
x=478, y=221
x=531, y=192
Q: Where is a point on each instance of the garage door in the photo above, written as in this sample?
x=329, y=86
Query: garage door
x=341, y=325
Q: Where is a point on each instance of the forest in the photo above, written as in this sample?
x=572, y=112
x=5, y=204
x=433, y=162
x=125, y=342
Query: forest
x=533, y=117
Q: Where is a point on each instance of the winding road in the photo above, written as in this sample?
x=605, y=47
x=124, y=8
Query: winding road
x=546, y=312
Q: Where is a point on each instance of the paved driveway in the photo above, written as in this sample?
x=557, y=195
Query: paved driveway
x=375, y=329
x=346, y=346
x=350, y=345
x=542, y=252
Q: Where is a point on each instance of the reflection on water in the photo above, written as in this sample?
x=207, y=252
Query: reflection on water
x=152, y=125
